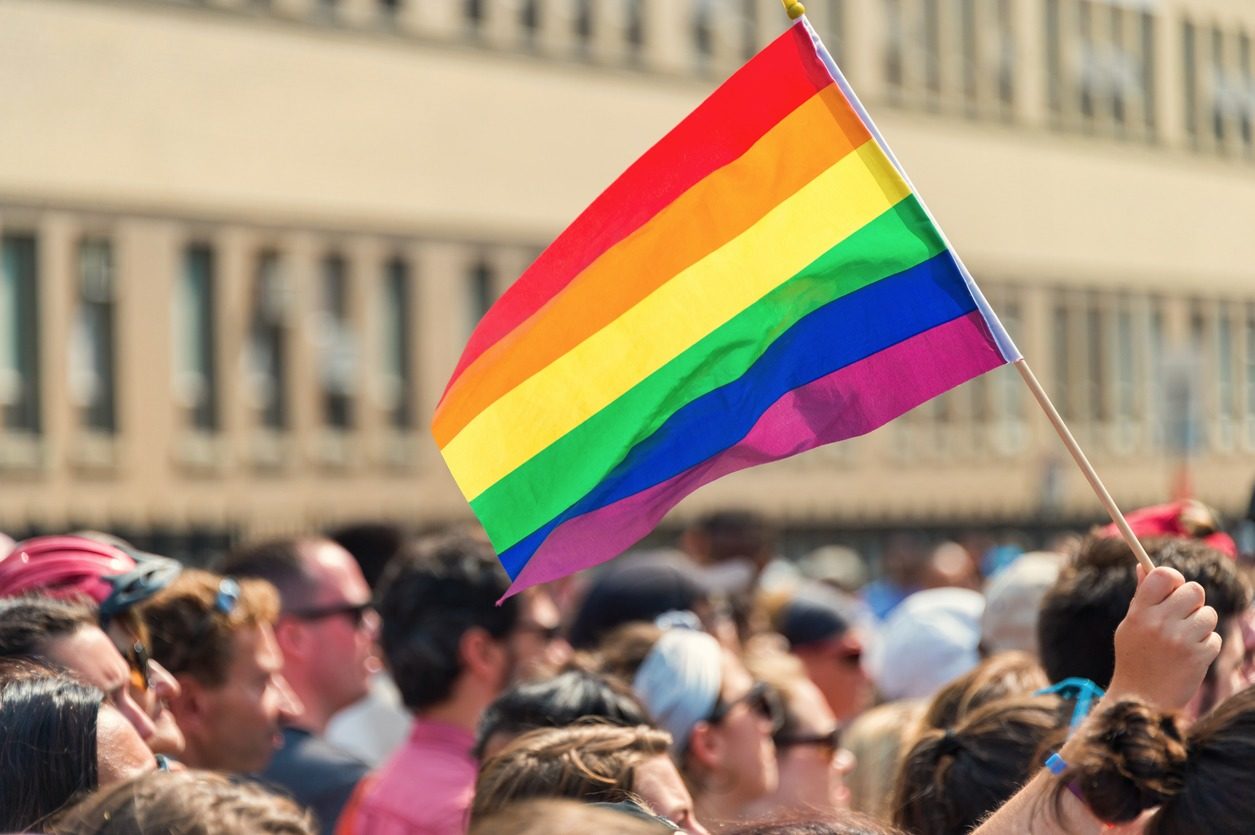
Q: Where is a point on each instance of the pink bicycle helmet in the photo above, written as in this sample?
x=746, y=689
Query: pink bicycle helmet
x=74, y=566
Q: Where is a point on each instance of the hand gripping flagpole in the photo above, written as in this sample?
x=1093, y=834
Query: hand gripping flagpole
x=796, y=10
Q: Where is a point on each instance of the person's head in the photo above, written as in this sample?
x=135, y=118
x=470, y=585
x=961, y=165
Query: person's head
x=187, y=802
x=553, y=703
x=596, y=763
x=639, y=588
x=372, y=544
x=327, y=625
x=445, y=638
x=952, y=779
x=560, y=816
x=809, y=756
x=730, y=535
x=997, y=677
x=877, y=740
x=719, y=718
x=1131, y=758
x=215, y=634
x=931, y=638
x=817, y=624
x=65, y=635
x=1079, y=615
x=845, y=823
x=60, y=741
x=1013, y=600
x=113, y=578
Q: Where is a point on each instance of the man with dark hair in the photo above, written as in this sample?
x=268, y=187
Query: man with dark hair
x=452, y=650
x=1077, y=626
x=65, y=635
x=326, y=631
x=216, y=635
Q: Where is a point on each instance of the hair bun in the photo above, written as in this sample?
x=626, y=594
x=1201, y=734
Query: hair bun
x=1133, y=759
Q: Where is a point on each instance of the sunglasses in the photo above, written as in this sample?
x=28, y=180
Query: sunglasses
x=137, y=660
x=830, y=741
x=760, y=699
x=355, y=612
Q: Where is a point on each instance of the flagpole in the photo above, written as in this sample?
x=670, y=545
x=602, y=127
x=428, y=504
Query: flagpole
x=1078, y=455
x=796, y=10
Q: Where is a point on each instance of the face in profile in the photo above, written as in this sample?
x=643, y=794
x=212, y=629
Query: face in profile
x=658, y=783
x=120, y=753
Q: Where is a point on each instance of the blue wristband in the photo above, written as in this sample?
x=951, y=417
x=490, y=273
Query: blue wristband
x=1056, y=764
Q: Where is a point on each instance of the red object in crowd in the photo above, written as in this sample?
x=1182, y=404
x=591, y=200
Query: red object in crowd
x=64, y=567
x=1188, y=519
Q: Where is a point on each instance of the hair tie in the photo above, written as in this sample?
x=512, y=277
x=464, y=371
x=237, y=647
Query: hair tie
x=949, y=744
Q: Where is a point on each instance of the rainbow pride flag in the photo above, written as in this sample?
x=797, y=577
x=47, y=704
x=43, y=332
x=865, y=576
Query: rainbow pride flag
x=762, y=281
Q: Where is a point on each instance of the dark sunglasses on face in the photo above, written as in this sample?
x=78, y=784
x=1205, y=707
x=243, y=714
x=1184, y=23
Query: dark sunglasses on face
x=830, y=741
x=355, y=612
x=761, y=699
x=137, y=659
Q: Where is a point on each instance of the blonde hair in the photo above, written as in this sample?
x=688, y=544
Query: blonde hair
x=595, y=762
x=562, y=817
x=191, y=633
x=187, y=802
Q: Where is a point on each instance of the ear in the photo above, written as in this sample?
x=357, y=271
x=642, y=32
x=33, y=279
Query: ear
x=481, y=655
x=190, y=706
x=705, y=745
x=292, y=638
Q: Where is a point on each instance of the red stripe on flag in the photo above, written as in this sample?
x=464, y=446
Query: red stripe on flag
x=773, y=84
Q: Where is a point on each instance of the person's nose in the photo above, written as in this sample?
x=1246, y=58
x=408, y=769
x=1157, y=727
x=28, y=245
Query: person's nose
x=288, y=704
x=139, y=719
x=162, y=683
x=558, y=652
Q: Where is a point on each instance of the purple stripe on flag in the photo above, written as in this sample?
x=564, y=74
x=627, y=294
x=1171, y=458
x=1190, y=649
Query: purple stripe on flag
x=847, y=403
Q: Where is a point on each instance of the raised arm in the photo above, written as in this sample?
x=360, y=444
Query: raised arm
x=1163, y=648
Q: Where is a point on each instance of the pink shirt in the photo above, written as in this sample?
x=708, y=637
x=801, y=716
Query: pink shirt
x=424, y=789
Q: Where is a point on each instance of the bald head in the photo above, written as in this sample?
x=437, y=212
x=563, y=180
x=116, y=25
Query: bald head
x=303, y=569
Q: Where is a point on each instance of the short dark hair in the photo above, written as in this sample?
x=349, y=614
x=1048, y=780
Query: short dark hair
x=278, y=561
x=559, y=701
x=1077, y=627
x=436, y=590
x=372, y=544
x=48, y=724
x=27, y=624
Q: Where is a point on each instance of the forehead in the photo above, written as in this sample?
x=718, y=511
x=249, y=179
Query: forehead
x=254, y=651
x=89, y=652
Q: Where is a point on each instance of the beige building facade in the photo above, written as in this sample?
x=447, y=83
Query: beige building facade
x=243, y=243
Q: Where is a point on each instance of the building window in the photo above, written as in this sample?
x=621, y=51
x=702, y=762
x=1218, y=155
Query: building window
x=1109, y=84
x=337, y=355
x=195, y=378
x=396, y=341
x=1063, y=353
x=92, y=347
x=267, y=352
x=895, y=44
x=19, y=335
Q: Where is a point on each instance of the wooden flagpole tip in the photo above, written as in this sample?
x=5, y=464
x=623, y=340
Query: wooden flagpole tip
x=794, y=9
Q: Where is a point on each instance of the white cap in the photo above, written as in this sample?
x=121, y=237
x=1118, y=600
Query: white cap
x=928, y=640
x=1013, y=602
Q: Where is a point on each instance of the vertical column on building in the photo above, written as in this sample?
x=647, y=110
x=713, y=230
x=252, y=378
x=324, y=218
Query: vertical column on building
x=556, y=35
x=365, y=256
x=55, y=235
x=1030, y=83
x=440, y=19
x=863, y=49
x=668, y=30
x=232, y=251
x=1169, y=80
x=296, y=9
x=303, y=381
x=502, y=23
x=147, y=269
x=609, y=41
x=444, y=308
x=358, y=12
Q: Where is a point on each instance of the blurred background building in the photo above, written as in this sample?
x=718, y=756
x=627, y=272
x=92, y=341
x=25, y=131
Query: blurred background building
x=244, y=241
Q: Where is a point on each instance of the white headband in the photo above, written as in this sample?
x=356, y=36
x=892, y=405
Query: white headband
x=679, y=682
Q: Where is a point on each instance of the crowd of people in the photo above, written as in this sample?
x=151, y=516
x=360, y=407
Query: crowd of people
x=370, y=683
